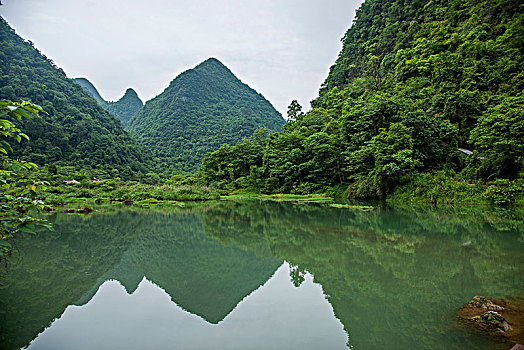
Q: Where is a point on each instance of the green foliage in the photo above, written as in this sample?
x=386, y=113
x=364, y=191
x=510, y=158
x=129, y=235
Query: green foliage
x=91, y=91
x=294, y=111
x=19, y=189
x=116, y=190
x=393, y=153
x=499, y=138
x=202, y=109
x=414, y=82
x=242, y=162
x=505, y=192
x=298, y=160
x=125, y=108
x=164, y=192
x=178, y=179
x=76, y=132
x=440, y=187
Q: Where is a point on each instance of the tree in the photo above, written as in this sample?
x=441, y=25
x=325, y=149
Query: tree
x=294, y=111
x=18, y=197
x=393, y=152
x=499, y=136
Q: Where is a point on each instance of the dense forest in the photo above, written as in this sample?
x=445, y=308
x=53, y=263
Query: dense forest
x=126, y=107
x=416, y=88
x=200, y=110
x=425, y=102
x=123, y=109
x=76, y=132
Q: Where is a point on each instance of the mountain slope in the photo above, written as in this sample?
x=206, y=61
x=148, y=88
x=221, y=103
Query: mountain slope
x=76, y=131
x=126, y=107
x=91, y=90
x=415, y=80
x=200, y=110
x=123, y=109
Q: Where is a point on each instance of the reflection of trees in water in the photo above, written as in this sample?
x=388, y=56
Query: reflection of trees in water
x=297, y=275
x=56, y=269
x=389, y=273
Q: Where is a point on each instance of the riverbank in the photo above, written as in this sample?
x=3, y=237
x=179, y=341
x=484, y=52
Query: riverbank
x=439, y=189
x=425, y=188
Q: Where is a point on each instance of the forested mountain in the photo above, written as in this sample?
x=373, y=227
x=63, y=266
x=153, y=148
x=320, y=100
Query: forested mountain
x=91, y=90
x=76, y=131
x=123, y=109
x=200, y=110
x=414, y=82
x=126, y=107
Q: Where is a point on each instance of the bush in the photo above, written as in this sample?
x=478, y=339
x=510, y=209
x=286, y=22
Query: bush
x=504, y=192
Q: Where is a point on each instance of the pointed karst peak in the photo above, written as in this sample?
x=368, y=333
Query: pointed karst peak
x=212, y=60
x=201, y=109
x=130, y=92
x=211, y=63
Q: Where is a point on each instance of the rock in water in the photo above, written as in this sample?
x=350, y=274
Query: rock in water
x=485, y=304
x=502, y=319
x=494, y=320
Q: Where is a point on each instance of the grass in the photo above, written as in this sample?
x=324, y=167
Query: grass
x=312, y=198
x=357, y=207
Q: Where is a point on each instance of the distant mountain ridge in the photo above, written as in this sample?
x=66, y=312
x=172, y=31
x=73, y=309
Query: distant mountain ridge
x=91, y=90
x=123, y=109
x=200, y=110
x=76, y=131
x=126, y=107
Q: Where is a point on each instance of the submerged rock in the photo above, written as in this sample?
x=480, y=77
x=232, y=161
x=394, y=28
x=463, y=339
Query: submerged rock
x=494, y=320
x=485, y=304
x=494, y=317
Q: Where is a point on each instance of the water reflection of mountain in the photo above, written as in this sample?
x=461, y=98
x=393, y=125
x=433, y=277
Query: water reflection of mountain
x=56, y=269
x=393, y=277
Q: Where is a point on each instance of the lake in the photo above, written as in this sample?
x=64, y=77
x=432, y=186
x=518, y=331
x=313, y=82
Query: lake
x=260, y=275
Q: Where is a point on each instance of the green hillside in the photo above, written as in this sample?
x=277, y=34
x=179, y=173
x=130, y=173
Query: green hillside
x=414, y=82
x=76, y=131
x=91, y=90
x=200, y=110
x=123, y=109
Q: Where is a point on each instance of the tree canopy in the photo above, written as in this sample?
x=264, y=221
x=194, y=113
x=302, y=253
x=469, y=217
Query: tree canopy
x=414, y=82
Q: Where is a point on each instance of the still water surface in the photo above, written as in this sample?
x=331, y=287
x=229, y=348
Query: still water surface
x=251, y=275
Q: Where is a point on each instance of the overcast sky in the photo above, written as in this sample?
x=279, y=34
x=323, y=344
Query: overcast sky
x=281, y=48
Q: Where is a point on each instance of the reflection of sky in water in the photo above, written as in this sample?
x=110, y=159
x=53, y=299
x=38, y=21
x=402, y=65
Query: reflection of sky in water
x=276, y=316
